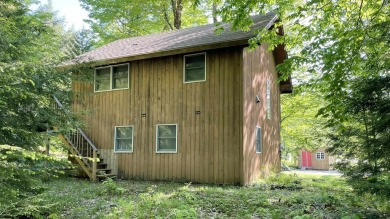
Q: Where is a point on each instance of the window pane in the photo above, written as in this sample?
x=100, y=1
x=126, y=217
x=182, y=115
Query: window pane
x=167, y=144
x=195, y=61
x=166, y=138
x=268, y=99
x=258, y=140
x=195, y=68
x=124, y=132
x=118, y=83
x=167, y=131
x=102, y=79
x=124, y=139
x=120, y=77
x=124, y=145
x=196, y=74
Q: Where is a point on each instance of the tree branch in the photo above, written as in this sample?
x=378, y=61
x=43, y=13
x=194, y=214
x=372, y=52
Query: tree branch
x=359, y=20
x=166, y=18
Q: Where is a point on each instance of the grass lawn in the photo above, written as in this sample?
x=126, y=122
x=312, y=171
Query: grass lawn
x=281, y=196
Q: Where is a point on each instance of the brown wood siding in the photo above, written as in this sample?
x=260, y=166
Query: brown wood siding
x=325, y=164
x=209, y=145
x=258, y=66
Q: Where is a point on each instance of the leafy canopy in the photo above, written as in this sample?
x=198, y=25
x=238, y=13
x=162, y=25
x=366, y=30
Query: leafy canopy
x=344, y=48
x=32, y=44
x=116, y=19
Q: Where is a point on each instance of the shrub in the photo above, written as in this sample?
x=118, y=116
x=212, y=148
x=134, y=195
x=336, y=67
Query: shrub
x=21, y=176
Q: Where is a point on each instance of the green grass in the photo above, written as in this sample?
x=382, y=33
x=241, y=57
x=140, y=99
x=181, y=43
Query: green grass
x=279, y=196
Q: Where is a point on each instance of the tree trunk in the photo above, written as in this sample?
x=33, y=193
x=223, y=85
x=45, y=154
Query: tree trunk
x=215, y=20
x=166, y=18
x=177, y=7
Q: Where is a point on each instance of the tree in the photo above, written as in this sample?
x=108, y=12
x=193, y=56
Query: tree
x=341, y=44
x=32, y=44
x=363, y=138
x=116, y=19
x=77, y=42
x=301, y=128
x=31, y=48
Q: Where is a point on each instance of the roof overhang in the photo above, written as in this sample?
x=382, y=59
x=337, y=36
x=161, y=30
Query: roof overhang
x=243, y=42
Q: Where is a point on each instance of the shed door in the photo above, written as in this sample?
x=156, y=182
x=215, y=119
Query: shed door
x=306, y=159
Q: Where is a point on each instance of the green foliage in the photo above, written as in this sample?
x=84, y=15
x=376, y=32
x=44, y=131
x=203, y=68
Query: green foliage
x=301, y=128
x=362, y=138
x=112, y=20
x=275, y=197
x=32, y=45
x=340, y=46
x=22, y=174
x=110, y=188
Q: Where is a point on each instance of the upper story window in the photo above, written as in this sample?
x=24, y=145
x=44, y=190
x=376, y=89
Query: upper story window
x=268, y=99
x=112, y=77
x=195, y=68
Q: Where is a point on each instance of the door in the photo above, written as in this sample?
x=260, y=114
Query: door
x=306, y=159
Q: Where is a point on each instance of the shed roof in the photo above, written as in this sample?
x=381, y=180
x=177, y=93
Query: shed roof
x=173, y=42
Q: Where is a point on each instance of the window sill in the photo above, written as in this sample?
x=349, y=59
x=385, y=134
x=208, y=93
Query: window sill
x=166, y=152
x=100, y=91
x=123, y=152
x=189, y=82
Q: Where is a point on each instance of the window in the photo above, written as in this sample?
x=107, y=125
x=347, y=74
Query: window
x=268, y=99
x=320, y=155
x=195, y=68
x=166, y=138
x=102, y=79
x=259, y=143
x=123, y=139
x=112, y=78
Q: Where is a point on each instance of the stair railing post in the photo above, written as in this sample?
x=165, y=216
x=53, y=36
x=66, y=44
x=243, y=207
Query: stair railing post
x=94, y=165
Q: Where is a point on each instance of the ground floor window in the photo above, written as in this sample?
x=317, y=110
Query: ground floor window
x=123, y=139
x=166, y=140
x=320, y=155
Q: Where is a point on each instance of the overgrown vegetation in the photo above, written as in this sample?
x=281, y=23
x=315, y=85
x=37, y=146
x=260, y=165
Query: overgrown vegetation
x=339, y=50
x=22, y=174
x=280, y=196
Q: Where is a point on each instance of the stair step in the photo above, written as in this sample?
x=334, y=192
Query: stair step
x=106, y=175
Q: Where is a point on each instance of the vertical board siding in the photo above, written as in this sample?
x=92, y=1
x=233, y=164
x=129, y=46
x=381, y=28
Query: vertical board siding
x=258, y=66
x=325, y=164
x=209, y=144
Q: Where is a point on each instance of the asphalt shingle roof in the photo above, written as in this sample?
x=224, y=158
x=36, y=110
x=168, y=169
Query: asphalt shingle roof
x=173, y=40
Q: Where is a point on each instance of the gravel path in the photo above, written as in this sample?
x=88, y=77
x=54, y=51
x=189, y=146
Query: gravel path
x=317, y=172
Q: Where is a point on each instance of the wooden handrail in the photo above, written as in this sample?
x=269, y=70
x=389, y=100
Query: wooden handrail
x=76, y=138
x=60, y=104
x=78, y=129
x=87, y=139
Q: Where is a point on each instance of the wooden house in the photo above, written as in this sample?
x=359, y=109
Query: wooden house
x=184, y=105
x=317, y=160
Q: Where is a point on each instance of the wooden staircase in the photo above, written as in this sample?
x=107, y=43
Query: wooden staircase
x=83, y=150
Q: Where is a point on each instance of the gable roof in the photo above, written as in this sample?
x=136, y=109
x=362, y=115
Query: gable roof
x=173, y=42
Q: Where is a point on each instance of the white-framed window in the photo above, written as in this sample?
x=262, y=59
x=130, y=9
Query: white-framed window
x=259, y=140
x=113, y=77
x=194, y=68
x=268, y=99
x=166, y=138
x=123, y=139
x=320, y=156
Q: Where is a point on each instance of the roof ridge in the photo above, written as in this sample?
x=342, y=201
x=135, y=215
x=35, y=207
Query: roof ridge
x=188, y=28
